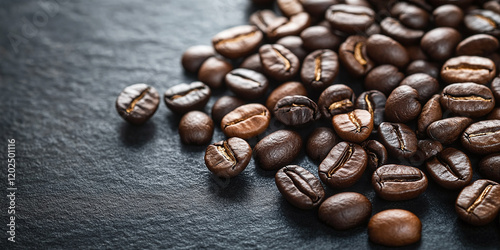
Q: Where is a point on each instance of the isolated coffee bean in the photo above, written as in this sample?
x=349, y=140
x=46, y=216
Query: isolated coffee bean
x=377, y=154
x=353, y=55
x=228, y=158
x=478, y=204
x=477, y=45
x=296, y=24
x=213, y=71
x=482, y=137
x=374, y=102
x=489, y=167
x=285, y=89
x=483, y=21
x=385, y=50
x=398, y=182
x=319, y=37
x=398, y=139
x=263, y=19
x=320, y=142
x=355, y=126
x=194, y=56
x=296, y=110
x=223, y=106
x=246, y=121
x=343, y=166
x=336, y=99
x=410, y=15
x=399, y=32
x=431, y=112
x=320, y=69
x=425, y=85
x=451, y=169
x=299, y=187
x=252, y=62
x=183, y=97
x=422, y=66
x=196, y=128
x=247, y=84
x=290, y=7
x=278, y=62
x=395, y=228
x=278, y=149
x=237, y=41
x=475, y=69
x=448, y=15
x=345, y=210
x=350, y=19
x=295, y=45
x=384, y=78
x=468, y=99
x=448, y=130
x=137, y=103
x=403, y=104
x=440, y=43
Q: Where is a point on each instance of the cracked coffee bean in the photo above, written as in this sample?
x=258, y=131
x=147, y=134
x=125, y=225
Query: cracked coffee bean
x=247, y=84
x=299, y=187
x=399, y=139
x=237, y=41
x=183, y=97
x=336, y=99
x=468, y=99
x=355, y=126
x=345, y=210
x=451, y=169
x=475, y=69
x=478, y=204
x=353, y=55
x=374, y=102
x=377, y=154
x=482, y=137
x=343, y=166
x=278, y=62
x=246, y=121
x=398, y=182
x=228, y=158
x=278, y=149
x=296, y=110
x=320, y=69
x=137, y=103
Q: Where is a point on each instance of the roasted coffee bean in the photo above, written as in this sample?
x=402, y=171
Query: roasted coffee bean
x=350, y=19
x=440, y=43
x=468, y=99
x=475, y=69
x=429, y=148
x=196, y=128
x=237, y=41
x=252, y=62
x=403, y=104
x=317, y=8
x=495, y=88
x=299, y=187
x=265, y=18
x=295, y=45
x=373, y=101
x=290, y=7
x=483, y=21
x=415, y=52
x=194, y=56
x=352, y=54
x=489, y=167
x=246, y=121
x=247, y=84
x=278, y=62
x=410, y=15
x=296, y=24
x=482, y=137
x=393, y=28
x=319, y=37
x=355, y=126
x=398, y=182
x=296, y=110
x=448, y=130
x=345, y=210
x=320, y=142
x=477, y=45
x=448, y=15
x=425, y=85
x=343, y=166
x=494, y=114
x=183, y=97
x=285, y=89
x=398, y=139
x=336, y=99
x=478, y=204
x=223, y=106
x=320, y=69
x=277, y=149
x=377, y=154
x=431, y=112
x=213, y=71
x=385, y=50
x=137, y=103
x=450, y=168
x=395, y=228
x=228, y=158
x=421, y=66
x=492, y=5
x=384, y=78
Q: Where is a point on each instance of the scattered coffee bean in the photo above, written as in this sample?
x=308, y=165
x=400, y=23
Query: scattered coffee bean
x=183, y=97
x=285, y=89
x=336, y=99
x=252, y=62
x=278, y=149
x=223, y=106
x=495, y=89
x=228, y=158
x=237, y=41
x=384, y=78
x=320, y=142
x=431, y=112
x=296, y=24
x=448, y=15
x=343, y=166
x=477, y=45
x=440, y=43
x=384, y=50
x=396, y=30
x=278, y=62
x=475, y=69
x=317, y=8
x=350, y=19
x=295, y=45
x=398, y=139
x=320, y=69
x=377, y=154
x=299, y=187
x=246, y=121
x=263, y=19
x=290, y=7
x=196, y=128
x=447, y=131
x=319, y=37
x=373, y=101
x=247, y=84
x=451, y=169
x=345, y=210
x=296, y=110
x=489, y=167
x=494, y=114
x=353, y=55
x=415, y=52
x=355, y=126
x=422, y=66
x=482, y=137
x=425, y=85
x=194, y=56
x=213, y=71
x=468, y=99
x=137, y=103
x=398, y=182
x=478, y=204
x=395, y=228
x=403, y=104
x=429, y=148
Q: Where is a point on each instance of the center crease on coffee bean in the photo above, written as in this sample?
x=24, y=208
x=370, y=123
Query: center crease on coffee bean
x=358, y=55
x=344, y=103
x=467, y=66
x=468, y=136
x=480, y=198
x=236, y=38
x=491, y=22
x=247, y=78
x=317, y=68
x=400, y=178
x=302, y=185
x=355, y=121
x=369, y=104
x=227, y=153
x=131, y=107
x=287, y=63
x=185, y=93
x=244, y=119
x=469, y=97
x=346, y=155
x=450, y=169
x=402, y=144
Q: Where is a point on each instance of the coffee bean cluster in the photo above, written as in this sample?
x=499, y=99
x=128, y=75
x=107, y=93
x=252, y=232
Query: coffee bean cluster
x=429, y=71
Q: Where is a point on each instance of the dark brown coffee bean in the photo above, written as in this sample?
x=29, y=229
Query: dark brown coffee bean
x=398, y=182
x=425, y=85
x=320, y=69
x=468, y=99
x=384, y=50
x=343, y=166
x=237, y=41
x=263, y=19
x=384, y=78
x=336, y=99
x=431, y=112
x=252, y=62
x=183, y=97
x=415, y=52
x=495, y=88
x=228, y=158
x=223, y=106
x=320, y=142
x=352, y=54
x=296, y=24
x=421, y=66
x=410, y=15
x=299, y=187
x=450, y=168
x=373, y=101
x=213, y=71
x=475, y=69
x=395, y=228
x=377, y=154
x=350, y=19
x=277, y=149
x=393, y=28
x=489, y=167
x=278, y=62
x=295, y=45
x=483, y=21
x=494, y=114
x=296, y=110
x=478, y=204
x=246, y=121
x=137, y=103
x=290, y=7
x=196, y=128
x=477, y=45
x=345, y=210
x=355, y=126
x=448, y=15
x=319, y=37
x=317, y=8
x=285, y=89
x=440, y=43
x=398, y=139
x=247, y=84
x=482, y=137
x=403, y=104
x=429, y=148
x=448, y=130
x=194, y=56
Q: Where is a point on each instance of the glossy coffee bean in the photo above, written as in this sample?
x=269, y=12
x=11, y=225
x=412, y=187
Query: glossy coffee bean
x=285, y=89
x=410, y=15
x=196, y=128
x=137, y=103
x=477, y=45
x=299, y=187
x=237, y=41
x=263, y=19
x=247, y=84
x=478, y=204
x=278, y=62
x=228, y=158
x=429, y=148
x=399, y=32
x=320, y=69
x=290, y=7
x=183, y=97
x=213, y=71
x=431, y=112
x=425, y=85
x=398, y=139
x=294, y=25
x=345, y=210
x=440, y=43
x=353, y=55
x=475, y=69
x=319, y=37
x=489, y=167
x=422, y=66
x=447, y=131
x=343, y=166
x=398, y=182
x=355, y=126
x=317, y=7
x=194, y=56
x=451, y=169
x=385, y=50
x=482, y=21
x=448, y=15
x=384, y=78
x=403, y=104
x=223, y=106
x=350, y=19
x=246, y=121
x=377, y=154
x=295, y=45
x=482, y=137
x=320, y=142
x=395, y=228
x=336, y=99
x=468, y=99
x=296, y=110
x=278, y=149
x=374, y=102
x=252, y=62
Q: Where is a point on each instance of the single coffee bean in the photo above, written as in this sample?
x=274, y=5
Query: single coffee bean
x=355, y=126
x=429, y=148
x=194, y=56
x=495, y=88
x=478, y=204
x=494, y=114
x=285, y=89
x=468, y=99
x=477, y=45
x=345, y=210
x=482, y=21
x=350, y=19
x=296, y=24
x=422, y=66
x=299, y=187
x=319, y=37
x=213, y=71
x=440, y=43
x=296, y=110
x=410, y=15
x=247, y=84
x=398, y=182
x=317, y=8
x=398, y=139
x=399, y=32
x=246, y=121
x=320, y=142
x=263, y=19
x=450, y=168
x=395, y=228
x=353, y=55
x=425, y=85
x=373, y=101
x=137, y=103
x=183, y=97
x=403, y=104
x=228, y=158
x=223, y=106
x=482, y=137
x=431, y=112
x=448, y=15
x=343, y=166
x=489, y=167
x=320, y=69
x=237, y=41
x=384, y=78
x=475, y=69
x=385, y=50
x=295, y=45
x=377, y=154
x=278, y=62
x=290, y=7
x=252, y=62
x=196, y=128
x=278, y=149
x=447, y=131
x=336, y=99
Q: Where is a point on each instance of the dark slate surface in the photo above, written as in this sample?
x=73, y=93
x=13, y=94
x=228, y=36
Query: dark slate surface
x=87, y=179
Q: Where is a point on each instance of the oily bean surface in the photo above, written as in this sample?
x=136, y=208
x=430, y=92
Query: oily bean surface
x=343, y=166
x=384, y=78
x=448, y=130
x=336, y=99
x=355, y=126
x=320, y=142
x=228, y=158
x=137, y=103
x=296, y=110
x=403, y=104
x=398, y=139
x=247, y=84
x=278, y=149
x=299, y=187
x=395, y=228
x=183, y=97
x=430, y=113
x=194, y=56
x=350, y=18
x=475, y=69
x=320, y=69
x=377, y=154
x=489, y=167
x=285, y=89
x=353, y=55
x=345, y=210
x=237, y=41
x=374, y=102
x=385, y=50
x=482, y=137
x=223, y=106
x=246, y=121
x=478, y=204
x=398, y=182
x=468, y=99
x=196, y=128
x=278, y=62
x=213, y=70
x=450, y=168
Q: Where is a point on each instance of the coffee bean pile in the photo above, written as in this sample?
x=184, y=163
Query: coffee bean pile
x=429, y=71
